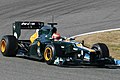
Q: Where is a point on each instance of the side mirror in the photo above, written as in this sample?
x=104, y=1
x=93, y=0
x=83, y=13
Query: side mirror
x=83, y=42
x=72, y=39
x=63, y=38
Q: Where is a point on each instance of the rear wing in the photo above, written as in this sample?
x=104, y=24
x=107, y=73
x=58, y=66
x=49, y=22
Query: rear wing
x=19, y=25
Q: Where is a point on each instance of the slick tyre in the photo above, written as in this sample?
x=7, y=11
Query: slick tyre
x=8, y=45
x=101, y=49
x=49, y=54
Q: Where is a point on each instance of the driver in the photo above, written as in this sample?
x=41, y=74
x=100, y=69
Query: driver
x=56, y=36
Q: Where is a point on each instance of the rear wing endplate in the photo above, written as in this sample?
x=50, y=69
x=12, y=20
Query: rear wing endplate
x=19, y=25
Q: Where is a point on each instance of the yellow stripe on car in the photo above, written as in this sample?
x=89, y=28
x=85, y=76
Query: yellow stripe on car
x=90, y=50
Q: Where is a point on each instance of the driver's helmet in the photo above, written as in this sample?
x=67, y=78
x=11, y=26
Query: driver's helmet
x=54, y=30
x=56, y=36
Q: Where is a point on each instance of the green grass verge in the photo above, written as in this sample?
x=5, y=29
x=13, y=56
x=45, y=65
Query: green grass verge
x=110, y=38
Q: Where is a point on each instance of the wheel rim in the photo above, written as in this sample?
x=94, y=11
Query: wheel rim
x=3, y=46
x=48, y=54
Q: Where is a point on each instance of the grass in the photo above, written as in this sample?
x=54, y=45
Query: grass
x=110, y=38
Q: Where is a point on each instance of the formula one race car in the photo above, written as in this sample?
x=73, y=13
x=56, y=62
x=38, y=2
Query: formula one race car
x=59, y=52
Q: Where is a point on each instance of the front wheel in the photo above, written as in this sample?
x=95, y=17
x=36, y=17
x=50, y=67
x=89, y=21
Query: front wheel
x=101, y=49
x=49, y=54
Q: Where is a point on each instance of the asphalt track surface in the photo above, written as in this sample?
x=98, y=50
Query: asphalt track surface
x=74, y=17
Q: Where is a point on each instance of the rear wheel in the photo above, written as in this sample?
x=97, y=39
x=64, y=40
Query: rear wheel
x=49, y=54
x=8, y=45
x=101, y=49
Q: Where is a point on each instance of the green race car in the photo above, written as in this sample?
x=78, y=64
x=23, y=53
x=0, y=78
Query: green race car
x=43, y=47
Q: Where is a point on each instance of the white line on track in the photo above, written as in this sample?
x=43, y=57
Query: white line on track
x=95, y=32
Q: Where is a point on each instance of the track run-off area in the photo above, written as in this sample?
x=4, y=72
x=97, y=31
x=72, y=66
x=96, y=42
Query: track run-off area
x=73, y=17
